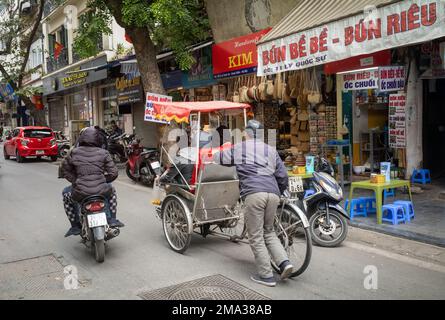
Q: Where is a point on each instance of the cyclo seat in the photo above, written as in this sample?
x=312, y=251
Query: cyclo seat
x=217, y=192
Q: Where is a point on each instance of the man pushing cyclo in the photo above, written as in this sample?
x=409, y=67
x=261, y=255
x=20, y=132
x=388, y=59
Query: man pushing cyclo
x=262, y=179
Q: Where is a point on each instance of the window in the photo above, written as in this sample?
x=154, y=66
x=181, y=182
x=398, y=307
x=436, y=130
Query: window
x=51, y=43
x=35, y=55
x=33, y=133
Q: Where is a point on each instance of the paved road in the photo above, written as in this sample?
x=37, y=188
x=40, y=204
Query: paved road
x=32, y=223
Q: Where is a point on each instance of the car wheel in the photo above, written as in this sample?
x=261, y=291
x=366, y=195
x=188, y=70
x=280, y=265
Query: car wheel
x=5, y=155
x=18, y=157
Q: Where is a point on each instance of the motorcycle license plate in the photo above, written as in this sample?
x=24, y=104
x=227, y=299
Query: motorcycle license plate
x=40, y=152
x=295, y=185
x=97, y=220
x=155, y=165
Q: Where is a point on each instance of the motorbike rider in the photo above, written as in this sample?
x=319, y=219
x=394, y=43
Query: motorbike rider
x=263, y=178
x=90, y=170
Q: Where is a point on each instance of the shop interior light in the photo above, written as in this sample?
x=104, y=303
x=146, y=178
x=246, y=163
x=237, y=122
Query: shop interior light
x=359, y=70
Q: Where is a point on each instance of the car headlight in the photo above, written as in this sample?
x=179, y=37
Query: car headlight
x=24, y=142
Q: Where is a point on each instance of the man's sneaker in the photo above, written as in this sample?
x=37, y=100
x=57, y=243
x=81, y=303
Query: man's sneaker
x=114, y=223
x=73, y=231
x=270, y=282
x=286, y=269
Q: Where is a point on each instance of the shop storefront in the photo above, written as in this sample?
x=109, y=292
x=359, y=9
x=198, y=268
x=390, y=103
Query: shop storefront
x=72, y=95
x=366, y=108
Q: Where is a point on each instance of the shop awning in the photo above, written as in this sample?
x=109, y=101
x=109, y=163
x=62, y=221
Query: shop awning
x=180, y=111
x=313, y=13
x=317, y=32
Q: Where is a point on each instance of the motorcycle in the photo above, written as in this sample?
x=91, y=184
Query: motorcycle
x=95, y=229
x=328, y=220
x=116, y=146
x=63, y=144
x=143, y=164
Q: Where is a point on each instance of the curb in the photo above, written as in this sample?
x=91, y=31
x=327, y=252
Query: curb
x=440, y=242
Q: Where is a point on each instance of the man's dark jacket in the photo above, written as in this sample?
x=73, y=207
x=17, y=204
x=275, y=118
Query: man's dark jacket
x=88, y=167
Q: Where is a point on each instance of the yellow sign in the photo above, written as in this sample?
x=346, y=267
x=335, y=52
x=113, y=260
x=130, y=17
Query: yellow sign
x=75, y=78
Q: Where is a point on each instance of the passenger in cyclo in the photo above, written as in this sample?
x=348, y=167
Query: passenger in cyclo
x=263, y=178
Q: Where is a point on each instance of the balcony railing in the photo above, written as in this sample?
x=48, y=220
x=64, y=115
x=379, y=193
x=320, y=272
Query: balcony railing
x=49, y=6
x=53, y=64
x=100, y=48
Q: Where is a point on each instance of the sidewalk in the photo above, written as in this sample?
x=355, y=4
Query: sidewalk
x=428, y=225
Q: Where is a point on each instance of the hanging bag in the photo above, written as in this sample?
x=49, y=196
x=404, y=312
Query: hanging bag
x=314, y=95
x=270, y=88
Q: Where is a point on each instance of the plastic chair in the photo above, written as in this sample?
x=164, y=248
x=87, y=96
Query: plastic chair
x=357, y=208
x=370, y=204
x=309, y=193
x=422, y=176
x=389, y=193
x=408, y=207
x=393, y=213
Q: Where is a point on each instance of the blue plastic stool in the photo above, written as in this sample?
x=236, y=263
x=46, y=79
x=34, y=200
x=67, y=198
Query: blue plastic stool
x=370, y=204
x=389, y=193
x=422, y=176
x=408, y=207
x=357, y=208
x=394, y=213
x=309, y=193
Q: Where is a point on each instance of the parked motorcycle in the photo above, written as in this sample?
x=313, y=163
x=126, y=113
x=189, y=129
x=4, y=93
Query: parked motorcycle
x=63, y=144
x=116, y=146
x=95, y=229
x=143, y=164
x=328, y=220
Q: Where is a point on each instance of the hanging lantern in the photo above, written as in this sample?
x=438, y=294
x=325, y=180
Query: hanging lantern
x=37, y=101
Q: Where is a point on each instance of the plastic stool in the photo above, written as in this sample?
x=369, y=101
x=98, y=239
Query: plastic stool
x=422, y=176
x=309, y=193
x=370, y=204
x=394, y=213
x=357, y=208
x=389, y=193
x=408, y=207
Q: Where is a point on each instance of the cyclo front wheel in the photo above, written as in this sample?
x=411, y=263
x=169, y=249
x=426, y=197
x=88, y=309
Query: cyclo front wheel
x=176, y=224
x=295, y=238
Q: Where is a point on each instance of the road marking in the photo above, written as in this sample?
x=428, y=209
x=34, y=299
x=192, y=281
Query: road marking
x=396, y=256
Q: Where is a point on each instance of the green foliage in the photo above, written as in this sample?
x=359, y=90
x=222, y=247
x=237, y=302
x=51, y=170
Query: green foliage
x=171, y=24
x=92, y=25
x=29, y=91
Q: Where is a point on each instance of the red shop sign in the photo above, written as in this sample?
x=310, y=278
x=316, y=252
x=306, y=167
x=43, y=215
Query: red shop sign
x=237, y=56
x=381, y=58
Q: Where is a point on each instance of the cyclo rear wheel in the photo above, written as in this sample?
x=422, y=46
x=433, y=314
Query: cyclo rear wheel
x=295, y=238
x=176, y=224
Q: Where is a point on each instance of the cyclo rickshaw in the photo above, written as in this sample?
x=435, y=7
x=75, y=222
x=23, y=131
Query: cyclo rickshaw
x=210, y=204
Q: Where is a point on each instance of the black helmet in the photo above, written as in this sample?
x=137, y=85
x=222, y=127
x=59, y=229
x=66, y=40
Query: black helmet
x=252, y=127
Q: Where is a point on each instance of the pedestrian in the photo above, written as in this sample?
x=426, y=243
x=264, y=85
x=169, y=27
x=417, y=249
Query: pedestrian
x=263, y=178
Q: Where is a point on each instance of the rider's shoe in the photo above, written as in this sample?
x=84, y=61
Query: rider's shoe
x=269, y=282
x=73, y=231
x=286, y=269
x=114, y=223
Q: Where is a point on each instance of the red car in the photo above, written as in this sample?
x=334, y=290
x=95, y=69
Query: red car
x=30, y=142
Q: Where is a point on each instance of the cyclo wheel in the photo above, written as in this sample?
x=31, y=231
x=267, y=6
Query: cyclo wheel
x=176, y=224
x=235, y=229
x=295, y=238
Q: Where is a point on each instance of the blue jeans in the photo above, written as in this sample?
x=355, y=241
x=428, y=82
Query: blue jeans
x=72, y=208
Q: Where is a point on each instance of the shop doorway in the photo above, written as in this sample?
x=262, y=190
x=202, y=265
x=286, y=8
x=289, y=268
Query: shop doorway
x=434, y=126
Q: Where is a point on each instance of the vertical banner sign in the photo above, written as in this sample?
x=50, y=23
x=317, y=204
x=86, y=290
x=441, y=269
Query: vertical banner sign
x=392, y=78
x=361, y=80
x=149, y=111
x=397, y=120
x=400, y=24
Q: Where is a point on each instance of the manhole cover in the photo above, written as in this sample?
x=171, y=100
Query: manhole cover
x=216, y=287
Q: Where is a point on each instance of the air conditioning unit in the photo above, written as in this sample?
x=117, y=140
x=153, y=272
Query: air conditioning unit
x=25, y=7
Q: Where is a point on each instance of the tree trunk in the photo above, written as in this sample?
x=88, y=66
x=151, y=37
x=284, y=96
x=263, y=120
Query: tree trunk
x=146, y=57
x=144, y=49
